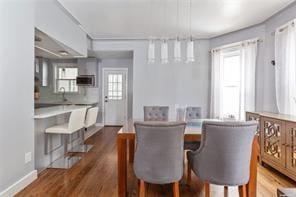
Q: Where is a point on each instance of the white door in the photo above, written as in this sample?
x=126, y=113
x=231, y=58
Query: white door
x=115, y=96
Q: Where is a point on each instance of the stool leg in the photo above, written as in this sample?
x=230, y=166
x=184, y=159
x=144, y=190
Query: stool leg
x=65, y=144
x=83, y=137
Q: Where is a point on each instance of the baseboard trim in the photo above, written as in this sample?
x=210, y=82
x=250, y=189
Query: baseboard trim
x=99, y=124
x=19, y=185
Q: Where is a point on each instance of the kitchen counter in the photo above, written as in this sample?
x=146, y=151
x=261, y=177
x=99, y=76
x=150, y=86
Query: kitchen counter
x=51, y=104
x=47, y=112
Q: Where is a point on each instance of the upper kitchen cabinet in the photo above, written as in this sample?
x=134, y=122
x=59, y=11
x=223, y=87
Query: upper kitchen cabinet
x=54, y=21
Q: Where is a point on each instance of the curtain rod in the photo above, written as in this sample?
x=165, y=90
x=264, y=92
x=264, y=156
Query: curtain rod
x=283, y=27
x=236, y=44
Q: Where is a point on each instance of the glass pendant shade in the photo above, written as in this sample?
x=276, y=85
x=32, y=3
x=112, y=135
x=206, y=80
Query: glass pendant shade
x=177, y=50
x=190, y=51
x=164, y=54
x=151, y=52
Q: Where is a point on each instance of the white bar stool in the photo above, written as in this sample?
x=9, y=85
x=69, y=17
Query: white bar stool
x=76, y=122
x=90, y=120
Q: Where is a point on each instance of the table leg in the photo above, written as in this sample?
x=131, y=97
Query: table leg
x=131, y=149
x=252, y=185
x=122, y=166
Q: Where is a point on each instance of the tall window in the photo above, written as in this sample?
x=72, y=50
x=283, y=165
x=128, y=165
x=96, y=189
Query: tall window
x=65, y=79
x=231, y=80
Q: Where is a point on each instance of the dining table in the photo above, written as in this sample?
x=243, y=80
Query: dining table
x=126, y=137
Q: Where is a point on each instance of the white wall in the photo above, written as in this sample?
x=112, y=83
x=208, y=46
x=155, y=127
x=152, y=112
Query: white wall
x=165, y=84
x=16, y=100
x=265, y=80
x=50, y=19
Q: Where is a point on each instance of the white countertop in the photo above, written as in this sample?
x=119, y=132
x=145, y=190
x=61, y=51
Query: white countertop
x=68, y=102
x=47, y=112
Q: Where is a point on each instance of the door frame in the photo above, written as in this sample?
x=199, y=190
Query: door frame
x=125, y=70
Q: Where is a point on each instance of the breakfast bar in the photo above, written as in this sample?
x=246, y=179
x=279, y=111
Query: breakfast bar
x=48, y=150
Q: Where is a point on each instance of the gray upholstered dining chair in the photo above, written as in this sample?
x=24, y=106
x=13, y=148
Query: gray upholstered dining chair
x=159, y=153
x=192, y=113
x=224, y=155
x=156, y=113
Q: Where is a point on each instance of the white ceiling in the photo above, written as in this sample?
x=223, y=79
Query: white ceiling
x=124, y=19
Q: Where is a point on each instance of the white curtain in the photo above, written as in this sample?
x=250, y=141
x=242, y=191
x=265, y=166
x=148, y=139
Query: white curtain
x=248, y=51
x=216, y=85
x=285, y=69
x=248, y=77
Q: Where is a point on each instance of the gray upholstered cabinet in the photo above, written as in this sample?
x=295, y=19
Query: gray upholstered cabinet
x=277, y=133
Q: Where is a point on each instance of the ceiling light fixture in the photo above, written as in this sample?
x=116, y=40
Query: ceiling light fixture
x=190, y=43
x=151, y=51
x=64, y=53
x=164, y=55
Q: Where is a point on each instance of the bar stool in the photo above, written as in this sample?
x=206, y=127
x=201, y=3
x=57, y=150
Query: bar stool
x=76, y=122
x=90, y=120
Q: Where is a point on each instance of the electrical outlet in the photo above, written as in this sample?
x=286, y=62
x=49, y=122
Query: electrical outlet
x=28, y=157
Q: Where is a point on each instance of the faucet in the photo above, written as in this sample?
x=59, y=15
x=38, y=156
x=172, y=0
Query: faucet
x=64, y=91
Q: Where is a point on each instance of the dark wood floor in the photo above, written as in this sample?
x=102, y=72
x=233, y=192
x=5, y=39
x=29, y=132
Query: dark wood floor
x=96, y=175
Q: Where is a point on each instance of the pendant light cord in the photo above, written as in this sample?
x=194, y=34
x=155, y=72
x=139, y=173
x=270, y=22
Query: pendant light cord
x=190, y=28
x=178, y=22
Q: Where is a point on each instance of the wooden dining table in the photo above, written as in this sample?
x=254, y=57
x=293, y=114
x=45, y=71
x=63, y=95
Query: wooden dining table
x=126, y=147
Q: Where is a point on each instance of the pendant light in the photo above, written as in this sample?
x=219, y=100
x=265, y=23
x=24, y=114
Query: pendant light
x=177, y=43
x=151, y=51
x=164, y=55
x=190, y=43
x=177, y=50
x=190, y=51
x=151, y=45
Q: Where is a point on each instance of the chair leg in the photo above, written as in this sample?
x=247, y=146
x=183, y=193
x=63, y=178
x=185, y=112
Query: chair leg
x=242, y=190
x=188, y=173
x=176, y=191
x=142, y=189
x=207, y=189
x=225, y=191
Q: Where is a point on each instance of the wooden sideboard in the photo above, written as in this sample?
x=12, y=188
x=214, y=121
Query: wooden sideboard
x=277, y=138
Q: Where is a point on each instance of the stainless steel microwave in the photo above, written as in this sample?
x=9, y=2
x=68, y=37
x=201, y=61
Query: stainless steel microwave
x=86, y=80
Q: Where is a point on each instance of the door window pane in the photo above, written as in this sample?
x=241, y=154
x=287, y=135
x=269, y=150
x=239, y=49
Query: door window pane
x=115, y=86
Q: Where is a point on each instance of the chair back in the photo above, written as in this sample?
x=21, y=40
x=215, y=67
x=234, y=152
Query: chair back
x=225, y=152
x=159, y=151
x=91, y=117
x=76, y=120
x=193, y=113
x=156, y=113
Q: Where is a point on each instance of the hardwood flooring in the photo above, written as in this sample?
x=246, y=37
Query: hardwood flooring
x=96, y=175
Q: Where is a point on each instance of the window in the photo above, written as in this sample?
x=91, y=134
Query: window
x=66, y=78
x=231, y=80
x=115, y=86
